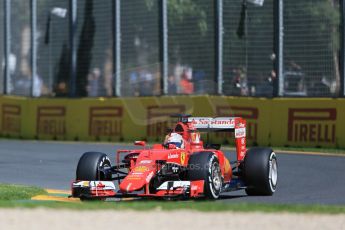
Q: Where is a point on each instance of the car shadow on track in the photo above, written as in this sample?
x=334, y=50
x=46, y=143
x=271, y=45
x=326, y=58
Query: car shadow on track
x=229, y=197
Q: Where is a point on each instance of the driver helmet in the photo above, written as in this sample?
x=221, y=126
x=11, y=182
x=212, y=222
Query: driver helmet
x=175, y=139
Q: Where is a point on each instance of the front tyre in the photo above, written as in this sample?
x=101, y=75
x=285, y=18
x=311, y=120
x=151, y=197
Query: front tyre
x=91, y=166
x=261, y=172
x=205, y=166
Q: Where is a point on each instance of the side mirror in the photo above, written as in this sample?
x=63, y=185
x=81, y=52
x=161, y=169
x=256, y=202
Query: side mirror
x=140, y=143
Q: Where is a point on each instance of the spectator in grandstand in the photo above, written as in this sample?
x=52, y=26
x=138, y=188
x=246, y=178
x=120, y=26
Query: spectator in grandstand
x=172, y=87
x=146, y=83
x=186, y=84
x=108, y=73
x=294, y=80
x=240, y=81
x=264, y=85
x=37, y=86
x=93, y=86
x=156, y=84
x=199, y=79
x=265, y=82
x=61, y=89
x=133, y=83
x=11, y=68
x=27, y=85
x=293, y=66
x=177, y=73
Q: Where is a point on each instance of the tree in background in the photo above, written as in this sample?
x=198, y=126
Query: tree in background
x=312, y=40
x=139, y=16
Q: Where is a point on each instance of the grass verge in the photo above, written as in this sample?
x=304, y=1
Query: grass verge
x=12, y=196
x=10, y=192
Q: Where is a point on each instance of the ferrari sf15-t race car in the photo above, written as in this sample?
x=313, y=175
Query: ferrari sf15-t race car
x=181, y=167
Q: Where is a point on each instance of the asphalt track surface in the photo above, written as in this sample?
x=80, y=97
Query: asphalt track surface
x=302, y=179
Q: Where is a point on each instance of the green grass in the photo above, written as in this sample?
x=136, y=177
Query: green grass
x=12, y=196
x=9, y=192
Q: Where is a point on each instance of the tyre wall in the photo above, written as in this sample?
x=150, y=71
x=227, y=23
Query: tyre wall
x=276, y=122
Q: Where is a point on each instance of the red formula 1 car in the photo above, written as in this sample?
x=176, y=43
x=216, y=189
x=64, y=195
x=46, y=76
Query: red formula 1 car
x=182, y=167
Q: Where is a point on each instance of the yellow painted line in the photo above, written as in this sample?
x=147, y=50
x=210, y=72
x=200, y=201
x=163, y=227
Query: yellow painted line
x=54, y=198
x=72, y=200
x=56, y=191
x=129, y=198
x=65, y=199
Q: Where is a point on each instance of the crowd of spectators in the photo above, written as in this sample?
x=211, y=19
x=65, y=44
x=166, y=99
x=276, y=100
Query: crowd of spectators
x=182, y=80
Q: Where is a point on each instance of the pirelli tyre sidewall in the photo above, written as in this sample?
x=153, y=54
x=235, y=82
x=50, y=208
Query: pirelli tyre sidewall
x=261, y=171
x=90, y=165
x=205, y=166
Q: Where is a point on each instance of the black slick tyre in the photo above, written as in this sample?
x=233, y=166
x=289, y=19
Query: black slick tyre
x=90, y=166
x=205, y=166
x=261, y=172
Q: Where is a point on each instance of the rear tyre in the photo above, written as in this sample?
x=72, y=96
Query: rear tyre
x=90, y=166
x=205, y=166
x=261, y=172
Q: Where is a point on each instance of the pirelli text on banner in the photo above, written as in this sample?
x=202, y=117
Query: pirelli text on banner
x=317, y=125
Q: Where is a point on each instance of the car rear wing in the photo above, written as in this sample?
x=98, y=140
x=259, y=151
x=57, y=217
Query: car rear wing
x=213, y=124
x=224, y=124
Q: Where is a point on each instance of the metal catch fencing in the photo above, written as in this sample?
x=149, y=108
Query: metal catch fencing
x=89, y=48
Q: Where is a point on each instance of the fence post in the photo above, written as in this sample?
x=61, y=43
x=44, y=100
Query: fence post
x=73, y=51
x=164, y=59
x=7, y=43
x=117, y=48
x=33, y=10
x=219, y=46
x=278, y=88
x=342, y=48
